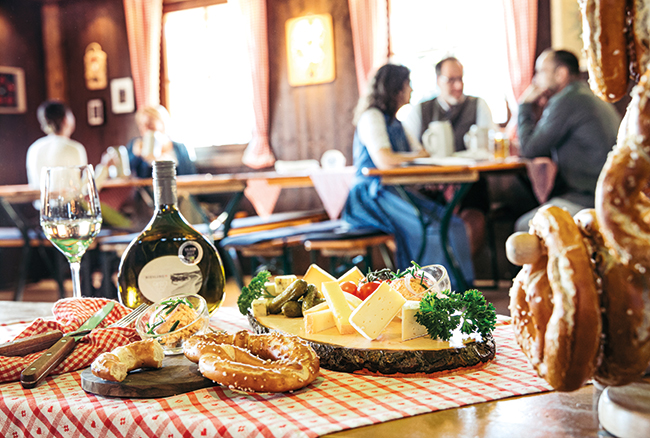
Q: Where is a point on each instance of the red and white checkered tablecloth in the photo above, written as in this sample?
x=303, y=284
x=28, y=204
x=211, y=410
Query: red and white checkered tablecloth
x=335, y=401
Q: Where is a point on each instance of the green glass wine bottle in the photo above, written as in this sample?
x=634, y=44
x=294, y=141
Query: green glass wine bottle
x=169, y=257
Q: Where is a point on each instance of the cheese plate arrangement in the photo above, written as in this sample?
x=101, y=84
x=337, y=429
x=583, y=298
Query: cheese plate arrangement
x=383, y=322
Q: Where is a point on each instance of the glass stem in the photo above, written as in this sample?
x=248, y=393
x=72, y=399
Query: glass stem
x=76, y=283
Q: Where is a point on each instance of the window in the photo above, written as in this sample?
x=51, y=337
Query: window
x=425, y=31
x=208, y=79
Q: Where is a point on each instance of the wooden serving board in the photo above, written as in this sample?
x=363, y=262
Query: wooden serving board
x=386, y=355
x=177, y=376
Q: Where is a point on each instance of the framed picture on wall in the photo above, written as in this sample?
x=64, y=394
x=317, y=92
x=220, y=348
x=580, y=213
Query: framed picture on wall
x=95, y=108
x=122, y=99
x=12, y=90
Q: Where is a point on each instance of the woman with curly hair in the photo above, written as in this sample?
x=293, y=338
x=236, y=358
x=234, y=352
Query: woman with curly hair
x=381, y=142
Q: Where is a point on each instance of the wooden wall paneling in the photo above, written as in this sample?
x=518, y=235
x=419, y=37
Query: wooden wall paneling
x=21, y=46
x=55, y=68
x=103, y=22
x=306, y=121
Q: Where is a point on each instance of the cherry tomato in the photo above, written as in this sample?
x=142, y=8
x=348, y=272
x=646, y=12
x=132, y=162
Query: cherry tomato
x=350, y=287
x=367, y=289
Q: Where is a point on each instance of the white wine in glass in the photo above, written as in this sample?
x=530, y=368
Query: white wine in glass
x=71, y=216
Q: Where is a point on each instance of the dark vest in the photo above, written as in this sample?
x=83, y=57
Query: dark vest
x=461, y=116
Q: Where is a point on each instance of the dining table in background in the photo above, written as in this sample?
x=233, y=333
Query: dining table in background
x=461, y=175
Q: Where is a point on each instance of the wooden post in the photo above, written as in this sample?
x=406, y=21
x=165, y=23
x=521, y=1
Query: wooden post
x=55, y=69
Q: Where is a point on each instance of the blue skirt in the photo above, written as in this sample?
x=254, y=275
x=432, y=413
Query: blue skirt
x=370, y=204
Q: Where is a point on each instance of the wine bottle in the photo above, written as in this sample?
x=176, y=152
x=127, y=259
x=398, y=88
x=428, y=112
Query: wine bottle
x=169, y=257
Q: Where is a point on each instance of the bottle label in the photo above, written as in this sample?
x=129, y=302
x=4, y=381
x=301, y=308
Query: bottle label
x=190, y=253
x=165, y=276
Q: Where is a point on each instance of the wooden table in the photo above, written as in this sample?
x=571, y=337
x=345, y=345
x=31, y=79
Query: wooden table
x=462, y=175
x=551, y=414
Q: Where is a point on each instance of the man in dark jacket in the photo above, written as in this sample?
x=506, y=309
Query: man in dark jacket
x=560, y=118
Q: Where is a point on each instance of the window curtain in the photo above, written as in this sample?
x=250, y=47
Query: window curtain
x=143, y=28
x=521, y=38
x=258, y=154
x=370, y=37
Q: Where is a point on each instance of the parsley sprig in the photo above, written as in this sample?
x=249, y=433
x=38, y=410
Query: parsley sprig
x=254, y=290
x=470, y=311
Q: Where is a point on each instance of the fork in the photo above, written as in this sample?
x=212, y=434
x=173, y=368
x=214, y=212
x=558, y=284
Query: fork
x=127, y=320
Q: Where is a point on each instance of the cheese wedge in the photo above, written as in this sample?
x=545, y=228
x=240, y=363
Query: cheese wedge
x=316, y=275
x=339, y=305
x=377, y=311
x=318, y=321
x=354, y=275
x=410, y=327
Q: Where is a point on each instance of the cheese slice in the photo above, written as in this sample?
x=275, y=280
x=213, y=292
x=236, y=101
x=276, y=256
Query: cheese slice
x=258, y=306
x=354, y=275
x=282, y=282
x=339, y=306
x=377, y=311
x=410, y=327
x=352, y=301
x=316, y=275
x=270, y=288
x=318, y=321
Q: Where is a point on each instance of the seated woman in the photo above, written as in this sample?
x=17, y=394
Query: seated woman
x=154, y=144
x=381, y=142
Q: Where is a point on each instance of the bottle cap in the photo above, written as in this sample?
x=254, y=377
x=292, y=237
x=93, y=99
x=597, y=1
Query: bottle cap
x=164, y=170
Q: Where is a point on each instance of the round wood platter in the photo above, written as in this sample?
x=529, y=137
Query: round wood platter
x=388, y=354
x=624, y=411
x=177, y=376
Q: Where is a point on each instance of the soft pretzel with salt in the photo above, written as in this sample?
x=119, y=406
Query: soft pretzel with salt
x=622, y=208
x=557, y=318
x=626, y=315
x=260, y=363
x=115, y=365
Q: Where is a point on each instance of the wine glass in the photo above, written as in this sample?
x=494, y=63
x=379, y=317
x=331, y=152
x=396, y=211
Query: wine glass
x=70, y=213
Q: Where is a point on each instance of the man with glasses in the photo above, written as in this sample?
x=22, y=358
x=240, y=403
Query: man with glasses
x=461, y=112
x=451, y=104
x=560, y=118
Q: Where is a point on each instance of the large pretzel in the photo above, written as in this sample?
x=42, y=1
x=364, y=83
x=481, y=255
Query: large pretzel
x=260, y=363
x=557, y=318
x=622, y=208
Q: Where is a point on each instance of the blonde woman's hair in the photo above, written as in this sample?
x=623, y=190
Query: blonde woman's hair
x=158, y=113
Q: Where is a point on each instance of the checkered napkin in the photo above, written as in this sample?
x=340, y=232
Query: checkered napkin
x=69, y=314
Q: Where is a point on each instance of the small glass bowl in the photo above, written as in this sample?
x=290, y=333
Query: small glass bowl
x=172, y=342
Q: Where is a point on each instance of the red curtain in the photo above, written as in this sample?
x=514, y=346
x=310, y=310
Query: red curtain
x=143, y=28
x=370, y=37
x=521, y=38
x=258, y=154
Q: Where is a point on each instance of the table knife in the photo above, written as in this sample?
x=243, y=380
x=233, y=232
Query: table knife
x=41, y=367
x=32, y=344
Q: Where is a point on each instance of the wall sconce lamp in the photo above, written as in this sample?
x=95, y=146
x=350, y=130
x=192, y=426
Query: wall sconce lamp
x=310, y=50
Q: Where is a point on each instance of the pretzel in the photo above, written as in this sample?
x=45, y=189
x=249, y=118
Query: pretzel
x=605, y=46
x=622, y=208
x=115, y=365
x=626, y=310
x=261, y=363
x=563, y=346
x=640, y=37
